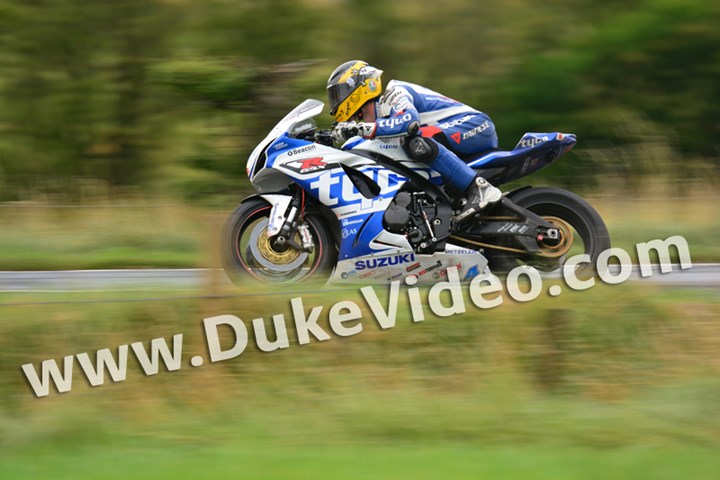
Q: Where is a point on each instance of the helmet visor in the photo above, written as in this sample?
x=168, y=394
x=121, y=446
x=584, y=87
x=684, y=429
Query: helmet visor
x=337, y=93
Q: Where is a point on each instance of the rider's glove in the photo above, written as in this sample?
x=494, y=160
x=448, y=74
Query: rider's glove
x=367, y=130
x=343, y=131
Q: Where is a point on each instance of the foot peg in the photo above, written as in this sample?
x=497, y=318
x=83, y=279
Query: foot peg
x=480, y=194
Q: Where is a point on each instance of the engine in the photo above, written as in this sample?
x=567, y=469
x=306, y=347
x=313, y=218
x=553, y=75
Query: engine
x=420, y=219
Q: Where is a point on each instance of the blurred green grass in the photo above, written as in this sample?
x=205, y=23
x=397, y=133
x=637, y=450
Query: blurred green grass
x=368, y=461
x=138, y=235
x=660, y=214
x=613, y=382
x=112, y=236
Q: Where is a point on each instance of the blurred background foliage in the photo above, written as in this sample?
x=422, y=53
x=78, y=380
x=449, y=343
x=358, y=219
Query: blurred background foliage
x=169, y=96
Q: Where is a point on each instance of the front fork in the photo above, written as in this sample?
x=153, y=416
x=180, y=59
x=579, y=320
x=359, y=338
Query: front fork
x=286, y=219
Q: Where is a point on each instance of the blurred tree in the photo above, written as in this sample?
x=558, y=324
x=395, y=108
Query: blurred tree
x=263, y=94
x=660, y=63
x=84, y=91
x=74, y=96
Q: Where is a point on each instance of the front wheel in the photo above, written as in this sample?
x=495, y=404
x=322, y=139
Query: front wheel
x=249, y=254
x=582, y=231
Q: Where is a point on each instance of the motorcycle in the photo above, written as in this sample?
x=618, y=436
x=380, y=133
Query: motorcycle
x=367, y=212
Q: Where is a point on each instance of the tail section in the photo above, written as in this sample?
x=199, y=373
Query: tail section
x=533, y=152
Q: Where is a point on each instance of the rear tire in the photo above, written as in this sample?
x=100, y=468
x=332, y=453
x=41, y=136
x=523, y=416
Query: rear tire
x=248, y=255
x=567, y=207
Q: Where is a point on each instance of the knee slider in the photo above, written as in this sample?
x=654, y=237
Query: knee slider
x=422, y=149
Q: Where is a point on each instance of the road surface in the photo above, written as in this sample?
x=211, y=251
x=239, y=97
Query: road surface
x=700, y=275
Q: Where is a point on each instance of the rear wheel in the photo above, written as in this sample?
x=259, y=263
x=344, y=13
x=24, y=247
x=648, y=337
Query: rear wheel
x=249, y=254
x=581, y=231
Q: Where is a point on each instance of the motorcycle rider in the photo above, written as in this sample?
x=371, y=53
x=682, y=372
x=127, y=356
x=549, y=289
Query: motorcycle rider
x=437, y=129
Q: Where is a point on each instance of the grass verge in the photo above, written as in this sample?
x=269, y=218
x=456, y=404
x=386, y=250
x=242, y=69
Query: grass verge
x=613, y=382
x=138, y=236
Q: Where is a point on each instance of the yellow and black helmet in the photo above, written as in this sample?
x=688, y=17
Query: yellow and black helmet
x=351, y=85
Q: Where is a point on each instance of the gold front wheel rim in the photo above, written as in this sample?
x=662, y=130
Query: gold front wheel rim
x=269, y=253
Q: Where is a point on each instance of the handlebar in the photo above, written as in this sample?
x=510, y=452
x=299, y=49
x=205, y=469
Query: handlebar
x=324, y=137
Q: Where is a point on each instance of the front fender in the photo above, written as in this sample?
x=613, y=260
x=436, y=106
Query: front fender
x=280, y=203
x=268, y=197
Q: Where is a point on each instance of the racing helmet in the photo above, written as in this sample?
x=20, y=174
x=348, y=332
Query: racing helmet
x=351, y=85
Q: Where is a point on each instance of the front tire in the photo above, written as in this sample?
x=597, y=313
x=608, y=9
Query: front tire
x=565, y=209
x=249, y=255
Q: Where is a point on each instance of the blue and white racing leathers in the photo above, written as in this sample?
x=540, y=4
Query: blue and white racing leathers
x=457, y=129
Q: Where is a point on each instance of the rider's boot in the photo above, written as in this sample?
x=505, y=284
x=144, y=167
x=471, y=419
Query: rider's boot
x=479, y=195
x=478, y=191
